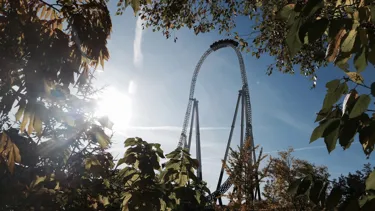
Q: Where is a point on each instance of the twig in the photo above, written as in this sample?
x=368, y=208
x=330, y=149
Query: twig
x=50, y=5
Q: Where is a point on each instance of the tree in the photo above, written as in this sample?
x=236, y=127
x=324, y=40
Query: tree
x=245, y=176
x=353, y=187
x=304, y=34
x=282, y=172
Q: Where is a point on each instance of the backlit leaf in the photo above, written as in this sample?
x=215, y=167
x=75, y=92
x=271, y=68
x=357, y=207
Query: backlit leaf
x=334, y=95
x=102, y=138
x=349, y=99
x=356, y=77
x=360, y=106
x=16, y=153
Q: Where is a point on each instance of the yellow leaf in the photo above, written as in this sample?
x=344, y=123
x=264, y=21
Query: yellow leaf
x=43, y=13
x=356, y=77
x=25, y=119
x=49, y=13
x=38, y=126
x=148, y=1
x=31, y=128
x=11, y=160
x=102, y=138
x=20, y=112
x=16, y=152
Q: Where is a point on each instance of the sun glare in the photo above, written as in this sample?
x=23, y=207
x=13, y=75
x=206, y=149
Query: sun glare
x=117, y=106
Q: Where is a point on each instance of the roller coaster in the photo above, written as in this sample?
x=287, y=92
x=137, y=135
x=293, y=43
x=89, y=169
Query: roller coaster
x=192, y=112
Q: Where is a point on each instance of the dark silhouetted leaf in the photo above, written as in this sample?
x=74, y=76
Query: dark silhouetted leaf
x=316, y=190
x=347, y=133
x=334, y=198
x=292, y=190
x=331, y=134
x=292, y=39
x=373, y=89
x=370, y=181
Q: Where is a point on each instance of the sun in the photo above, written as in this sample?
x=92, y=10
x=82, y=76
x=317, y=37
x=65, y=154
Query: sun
x=117, y=106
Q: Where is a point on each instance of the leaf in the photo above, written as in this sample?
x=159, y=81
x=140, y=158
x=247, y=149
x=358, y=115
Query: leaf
x=130, y=142
x=11, y=160
x=135, y=5
x=286, y=12
x=318, y=131
x=292, y=39
x=20, y=111
x=356, y=77
x=16, y=153
x=37, y=126
x=348, y=132
x=349, y=99
x=331, y=134
x=334, y=198
x=334, y=45
x=102, y=138
x=360, y=106
x=317, y=29
x=332, y=85
x=333, y=96
x=38, y=180
x=311, y=7
x=105, y=122
x=349, y=41
x=292, y=190
x=304, y=186
x=370, y=181
x=371, y=55
x=360, y=61
x=373, y=89
x=125, y=203
x=315, y=191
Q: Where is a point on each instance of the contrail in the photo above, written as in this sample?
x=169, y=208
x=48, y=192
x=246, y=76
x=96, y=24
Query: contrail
x=306, y=148
x=137, y=45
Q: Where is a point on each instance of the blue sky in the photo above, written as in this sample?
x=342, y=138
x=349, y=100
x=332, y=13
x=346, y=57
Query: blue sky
x=159, y=72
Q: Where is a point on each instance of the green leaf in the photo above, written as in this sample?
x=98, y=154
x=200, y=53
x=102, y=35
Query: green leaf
x=349, y=41
x=292, y=38
x=373, y=89
x=333, y=96
x=37, y=180
x=125, y=203
x=105, y=122
x=323, y=113
x=360, y=106
x=331, y=134
x=319, y=131
x=334, y=198
x=360, y=61
x=286, y=12
x=332, y=85
x=370, y=181
x=372, y=10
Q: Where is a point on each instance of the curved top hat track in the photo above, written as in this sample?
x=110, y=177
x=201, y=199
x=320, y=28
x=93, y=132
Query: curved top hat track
x=214, y=47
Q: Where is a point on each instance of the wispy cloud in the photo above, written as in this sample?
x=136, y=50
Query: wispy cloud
x=173, y=128
x=137, y=45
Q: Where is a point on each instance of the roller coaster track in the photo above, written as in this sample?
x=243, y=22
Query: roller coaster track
x=246, y=98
